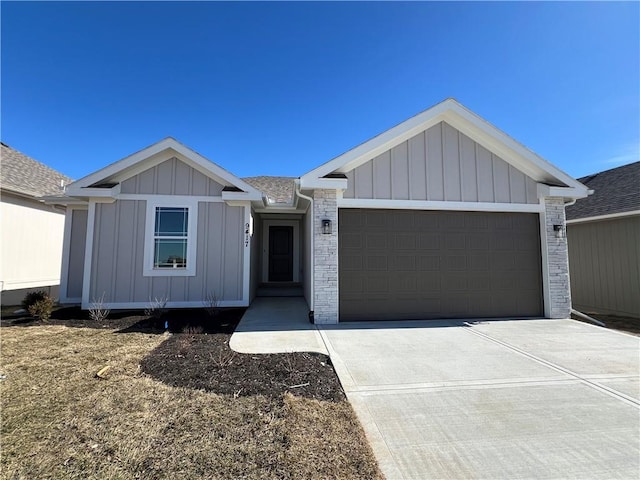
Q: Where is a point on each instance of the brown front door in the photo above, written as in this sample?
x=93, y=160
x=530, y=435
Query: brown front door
x=280, y=254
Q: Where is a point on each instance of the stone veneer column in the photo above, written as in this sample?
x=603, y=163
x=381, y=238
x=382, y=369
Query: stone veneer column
x=325, y=274
x=557, y=259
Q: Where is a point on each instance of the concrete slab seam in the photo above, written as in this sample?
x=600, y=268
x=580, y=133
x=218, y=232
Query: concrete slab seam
x=609, y=391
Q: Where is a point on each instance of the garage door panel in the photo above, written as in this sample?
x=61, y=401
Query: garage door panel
x=413, y=264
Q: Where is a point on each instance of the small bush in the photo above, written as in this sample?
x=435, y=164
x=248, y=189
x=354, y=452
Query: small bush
x=97, y=309
x=157, y=307
x=32, y=297
x=42, y=308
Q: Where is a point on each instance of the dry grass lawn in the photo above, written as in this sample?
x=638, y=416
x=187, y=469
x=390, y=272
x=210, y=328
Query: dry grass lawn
x=60, y=421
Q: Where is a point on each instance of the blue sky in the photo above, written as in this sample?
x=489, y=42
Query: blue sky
x=279, y=88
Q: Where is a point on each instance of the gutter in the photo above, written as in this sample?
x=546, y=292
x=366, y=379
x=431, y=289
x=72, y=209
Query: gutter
x=298, y=193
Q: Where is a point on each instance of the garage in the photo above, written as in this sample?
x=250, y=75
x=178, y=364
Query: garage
x=416, y=264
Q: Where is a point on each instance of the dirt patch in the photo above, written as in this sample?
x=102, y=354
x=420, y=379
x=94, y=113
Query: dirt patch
x=206, y=362
x=625, y=324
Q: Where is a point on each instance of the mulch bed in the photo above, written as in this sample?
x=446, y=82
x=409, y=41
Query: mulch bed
x=625, y=324
x=197, y=354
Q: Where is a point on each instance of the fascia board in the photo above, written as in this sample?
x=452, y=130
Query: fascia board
x=242, y=196
x=324, y=183
x=566, y=192
x=126, y=168
x=463, y=120
x=51, y=200
x=93, y=192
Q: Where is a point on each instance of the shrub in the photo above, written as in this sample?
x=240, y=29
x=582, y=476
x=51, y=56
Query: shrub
x=42, y=308
x=97, y=309
x=32, y=297
x=157, y=307
x=212, y=304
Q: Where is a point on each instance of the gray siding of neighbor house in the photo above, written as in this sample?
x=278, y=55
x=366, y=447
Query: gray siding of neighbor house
x=118, y=251
x=440, y=164
x=171, y=177
x=604, y=263
x=77, y=244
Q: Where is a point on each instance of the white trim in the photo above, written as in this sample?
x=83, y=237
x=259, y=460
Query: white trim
x=9, y=286
x=439, y=205
x=246, y=261
x=169, y=198
x=609, y=216
x=75, y=191
x=241, y=196
x=66, y=250
x=88, y=252
x=141, y=160
x=312, y=260
x=544, y=190
x=186, y=304
x=265, y=246
x=192, y=238
x=324, y=183
x=463, y=120
x=544, y=252
x=279, y=211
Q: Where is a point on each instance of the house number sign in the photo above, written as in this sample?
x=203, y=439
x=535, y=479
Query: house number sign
x=246, y=234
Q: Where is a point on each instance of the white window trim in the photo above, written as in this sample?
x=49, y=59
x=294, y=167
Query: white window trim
x=192, y=236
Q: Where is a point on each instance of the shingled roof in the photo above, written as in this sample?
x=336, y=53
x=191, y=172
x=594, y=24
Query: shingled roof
x=279, y=190
x=24, y=175
x=615, y=191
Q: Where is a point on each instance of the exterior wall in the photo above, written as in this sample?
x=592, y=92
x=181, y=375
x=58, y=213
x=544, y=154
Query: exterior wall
x=556, y=267
x=307, y=264
x=326, y=258
x=118, y=247
x=256, y=244
x=440, y=164
x=604, y=261
x=171, y=177
x=32, y=237
x=77, y=243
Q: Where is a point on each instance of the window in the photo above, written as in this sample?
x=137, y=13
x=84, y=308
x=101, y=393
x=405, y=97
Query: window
x=170, y=239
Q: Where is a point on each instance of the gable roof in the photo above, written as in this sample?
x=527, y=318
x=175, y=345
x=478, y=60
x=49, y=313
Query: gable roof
x=278, y=190
x=28, y=177
x=130, y=166
x=615, y=191
x=467, y=122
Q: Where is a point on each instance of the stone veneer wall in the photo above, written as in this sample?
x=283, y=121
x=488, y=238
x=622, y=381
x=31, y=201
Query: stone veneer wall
x=325, y=280
x=557, y=260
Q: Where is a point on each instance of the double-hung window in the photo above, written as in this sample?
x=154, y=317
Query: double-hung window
x=170, y=239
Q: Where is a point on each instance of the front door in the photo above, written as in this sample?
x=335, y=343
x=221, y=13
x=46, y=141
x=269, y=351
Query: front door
x=280, y=253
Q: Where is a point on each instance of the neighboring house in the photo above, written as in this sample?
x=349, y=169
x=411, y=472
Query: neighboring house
x=442, y=216
x=604, y=243
x=32, y=232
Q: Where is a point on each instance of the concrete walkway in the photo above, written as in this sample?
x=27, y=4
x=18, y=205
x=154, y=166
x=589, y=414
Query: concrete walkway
x=499, y=399
x=496, y=399
x=277, y=325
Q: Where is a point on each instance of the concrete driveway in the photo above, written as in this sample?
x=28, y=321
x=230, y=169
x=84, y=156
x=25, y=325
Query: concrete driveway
x=497, y=399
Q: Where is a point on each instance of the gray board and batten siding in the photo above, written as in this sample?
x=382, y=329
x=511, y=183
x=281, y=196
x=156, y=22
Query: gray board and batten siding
x=119, y=239
x=413, y=264
x=441, y=164
x=604, y=260
x=172, y=177
x=77, y=242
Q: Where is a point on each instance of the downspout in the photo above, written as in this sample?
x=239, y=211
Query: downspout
x=298, y=193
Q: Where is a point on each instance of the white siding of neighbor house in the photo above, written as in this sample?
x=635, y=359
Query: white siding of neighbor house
x=77, y=242
x=31, y=243
x=118, y=249
x=440, y=164
x=171, y=177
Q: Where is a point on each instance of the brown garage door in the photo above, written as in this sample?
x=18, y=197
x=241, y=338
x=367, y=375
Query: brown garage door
x=404, y=264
